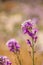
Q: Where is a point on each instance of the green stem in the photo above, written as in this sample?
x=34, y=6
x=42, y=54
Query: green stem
x=33, y=51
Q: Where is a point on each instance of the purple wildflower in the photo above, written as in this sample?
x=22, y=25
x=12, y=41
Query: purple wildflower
x=4, y=60
x=13, y=45
x=27, y=28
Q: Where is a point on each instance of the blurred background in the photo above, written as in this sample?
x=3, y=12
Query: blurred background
x=12, y=15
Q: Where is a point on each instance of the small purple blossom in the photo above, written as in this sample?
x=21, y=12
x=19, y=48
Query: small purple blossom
x=4, y=60
x=29, y=42
x=26, y=25
x=30, y=34
x=13, y=45
x=35, y=38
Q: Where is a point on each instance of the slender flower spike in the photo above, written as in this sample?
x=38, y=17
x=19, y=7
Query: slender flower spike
x=28, y=28
x=4, y=60
x=13, y=45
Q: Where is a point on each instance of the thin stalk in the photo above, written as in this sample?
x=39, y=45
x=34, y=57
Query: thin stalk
x=17, y=55
x=32, y=52
x=18, y=59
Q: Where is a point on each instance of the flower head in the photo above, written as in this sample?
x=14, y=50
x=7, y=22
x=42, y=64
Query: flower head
x=13, y=45
x=28, y=28
x=4, y=60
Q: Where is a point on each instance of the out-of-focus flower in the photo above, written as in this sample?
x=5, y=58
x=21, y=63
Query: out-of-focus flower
x=13, y=45
x=4, y=60
x=29, y=29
